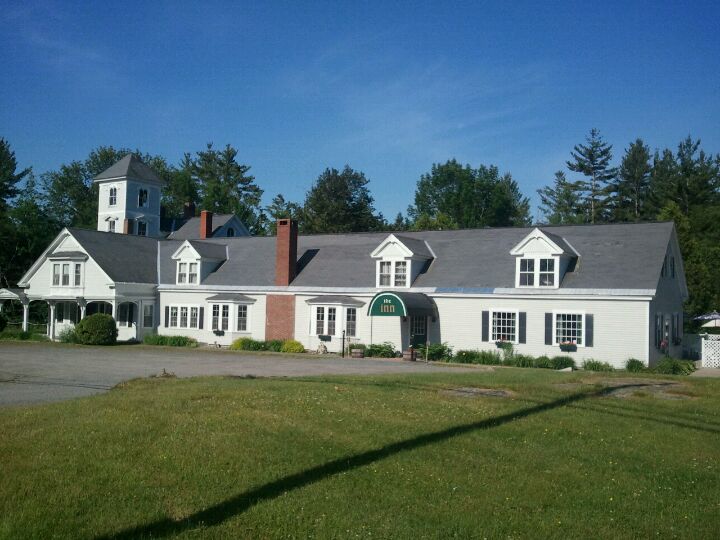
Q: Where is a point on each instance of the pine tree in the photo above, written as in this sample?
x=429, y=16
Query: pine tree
x=630, y=189
x=280, y=208
x=182, y=188
x=559, y=202
x=9, y=176
x=593, y=161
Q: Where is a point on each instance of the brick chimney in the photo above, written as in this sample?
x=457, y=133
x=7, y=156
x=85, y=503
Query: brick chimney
x=128, y=226
x=189, y=210
x=206, y=226
x=286, y=251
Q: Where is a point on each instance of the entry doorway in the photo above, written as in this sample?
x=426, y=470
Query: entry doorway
x=418, y=331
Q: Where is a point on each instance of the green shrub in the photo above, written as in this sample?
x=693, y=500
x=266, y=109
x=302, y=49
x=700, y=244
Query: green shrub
x=248, y=344
x=633, y=365
x=352, y=346
x=3, y=322
x=543, y=362
x=274, y=345
x=435, y=351
x=671, y=366
x=521, y=360
x=68, y=335
x=18, y=334
x=97, y=329
x=382, y=350
x=596, y=365
x=292, y=346
x=489, y=358
x=169, y=341
x=562, y=362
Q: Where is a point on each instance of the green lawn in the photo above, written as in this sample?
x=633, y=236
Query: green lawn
x=380, y=457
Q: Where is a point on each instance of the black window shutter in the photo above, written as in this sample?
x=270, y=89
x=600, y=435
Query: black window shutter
x=167, y=316
x=201, y=318
x=486, y=326
x=589, y=331
x=522, y=325
x=548, y=329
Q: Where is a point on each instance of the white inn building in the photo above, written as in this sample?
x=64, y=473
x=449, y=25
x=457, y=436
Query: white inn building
x=609, y=292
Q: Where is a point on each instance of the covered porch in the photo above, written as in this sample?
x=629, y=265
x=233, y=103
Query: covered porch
x=414, y=314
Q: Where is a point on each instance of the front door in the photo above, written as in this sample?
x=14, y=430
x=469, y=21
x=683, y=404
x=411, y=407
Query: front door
x=418, y=331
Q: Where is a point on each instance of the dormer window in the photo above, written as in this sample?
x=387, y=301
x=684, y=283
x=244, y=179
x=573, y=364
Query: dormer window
x=547, y=272
x=385, y=273
x=187, y=272
x=192, y=274
x=142, y=198
x=182, y=273
x=112, y=198
x=527, y=272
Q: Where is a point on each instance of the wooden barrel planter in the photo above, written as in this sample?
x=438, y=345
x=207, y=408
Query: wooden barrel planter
x=357, y=353
x=410, y=355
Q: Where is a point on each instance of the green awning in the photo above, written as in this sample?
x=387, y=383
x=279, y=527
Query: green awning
x=401, y=304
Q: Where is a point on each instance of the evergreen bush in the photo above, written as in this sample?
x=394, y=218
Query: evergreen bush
x=543, y=362
x=292, y=346
x=97, y=329
x=274, y=345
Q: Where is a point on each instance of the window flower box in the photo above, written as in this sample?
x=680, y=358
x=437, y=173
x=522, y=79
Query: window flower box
x=219, y=332
x=504, y=345
x=568, y=346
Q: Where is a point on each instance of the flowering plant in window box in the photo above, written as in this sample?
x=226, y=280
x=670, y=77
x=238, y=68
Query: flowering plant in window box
x=219, y=332
x=504, y=345
x=568, y=346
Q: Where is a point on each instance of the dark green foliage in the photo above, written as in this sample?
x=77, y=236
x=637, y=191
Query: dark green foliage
x=562, y=362
x=169, y=341
x=559, y=202
x=13, y=334
x=467, y=198
x=9, y=176
x=671, y=366
x=596, y=365
x=435, y=351
x=3, y=322
x=543, y=362
x=248, y=344
x=520, y=360
x=382, y=350
x=592, y=160
x=491, y=358
x=274, y=345
x=631, y=186
x=181, y=188
x=340, y=201
x=97, y=329
x=280, y=208
x=225, y=186
x=633, y=365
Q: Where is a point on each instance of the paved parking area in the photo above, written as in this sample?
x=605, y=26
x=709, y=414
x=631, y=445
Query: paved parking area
x=42, y=372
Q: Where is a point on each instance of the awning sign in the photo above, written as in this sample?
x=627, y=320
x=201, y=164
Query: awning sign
x=387, y=305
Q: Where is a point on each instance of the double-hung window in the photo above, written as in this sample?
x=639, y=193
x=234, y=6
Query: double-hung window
x=148, y=315
x=183, y=317
x=242, y=318
x=66, y=275
x=350, y=322
x=56, y=274
x=182, y=272
x=320, y=321
x=527, y=272
x=385, y=273
x=192, y=274
x=220, y=316
x=142, y=198
x=569, y=328
x=400, y=274
x=173, y=316
x=193, y=317
x=547, y=272
x=77, y=274
x=504, y=326
x=331, y=321
x=112, y=198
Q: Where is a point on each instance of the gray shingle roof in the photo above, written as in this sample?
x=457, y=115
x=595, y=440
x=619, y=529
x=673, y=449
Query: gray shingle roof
x=622, y=256
x=208, y=250
x=190, y=230
x=416, y=245
x=131, y=166
x=335, y=299
x=125, y=258
x=232, y=297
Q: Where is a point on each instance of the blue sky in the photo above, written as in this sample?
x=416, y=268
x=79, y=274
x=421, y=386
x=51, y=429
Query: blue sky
x=388, y=87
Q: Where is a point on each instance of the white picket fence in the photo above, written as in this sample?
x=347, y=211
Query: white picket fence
x=711, y=350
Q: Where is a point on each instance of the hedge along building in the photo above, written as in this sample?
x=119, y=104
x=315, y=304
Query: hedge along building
x=603, y=291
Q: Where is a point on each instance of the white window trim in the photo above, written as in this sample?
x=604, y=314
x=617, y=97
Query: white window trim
x=114, y=204
x=536, y=278
x=235, y=310
x=147, y=197
x=188, y=306
x=516, y=341
x=556, y=312
x=393, y=270
x=152, y=322
x=340, y=320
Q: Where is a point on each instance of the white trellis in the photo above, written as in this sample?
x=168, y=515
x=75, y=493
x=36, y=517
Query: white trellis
x=711, y=351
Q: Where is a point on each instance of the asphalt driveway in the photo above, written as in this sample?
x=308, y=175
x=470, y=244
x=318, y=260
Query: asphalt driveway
x=43, y=372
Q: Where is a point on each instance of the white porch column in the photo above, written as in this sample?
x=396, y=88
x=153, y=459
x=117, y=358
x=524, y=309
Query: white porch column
x=51, y=326
x=26, y=316
x=83, y=307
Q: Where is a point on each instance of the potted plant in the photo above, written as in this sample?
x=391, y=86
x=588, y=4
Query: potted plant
x=568, y=346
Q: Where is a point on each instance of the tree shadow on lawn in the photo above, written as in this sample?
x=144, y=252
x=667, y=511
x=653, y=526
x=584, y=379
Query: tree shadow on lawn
x=234, y=506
